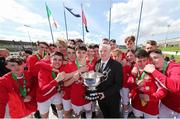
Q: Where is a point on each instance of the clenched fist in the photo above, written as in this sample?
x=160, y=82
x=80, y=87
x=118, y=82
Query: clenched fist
x=149, y=68
x=60, y=76
x=83, y=69
x=134, y=71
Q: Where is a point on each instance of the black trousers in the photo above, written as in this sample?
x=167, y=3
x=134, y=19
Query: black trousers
x=110, y=107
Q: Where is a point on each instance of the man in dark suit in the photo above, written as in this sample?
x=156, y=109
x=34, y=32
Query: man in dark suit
x=111, y=83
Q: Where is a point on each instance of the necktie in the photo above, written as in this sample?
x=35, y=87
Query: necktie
x=102, y=67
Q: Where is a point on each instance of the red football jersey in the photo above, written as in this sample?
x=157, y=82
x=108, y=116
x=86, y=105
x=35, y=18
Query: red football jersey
x=147, y=86
x=10, y=94
x=77, y=89
x=171, y=80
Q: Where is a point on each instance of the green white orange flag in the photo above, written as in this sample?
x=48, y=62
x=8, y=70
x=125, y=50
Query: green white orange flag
x=84, y=20
x=51, y=18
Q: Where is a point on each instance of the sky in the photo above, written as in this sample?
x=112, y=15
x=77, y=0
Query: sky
x=160, y=20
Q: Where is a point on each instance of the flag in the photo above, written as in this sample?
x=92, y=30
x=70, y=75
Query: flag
x=55, y=24
x=51, y=18
x=74, y=14
x=84, y=21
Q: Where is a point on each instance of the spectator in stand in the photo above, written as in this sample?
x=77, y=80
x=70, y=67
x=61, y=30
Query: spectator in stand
x=172, y=58
x=130, y=43
x=105, y=41
x=168, y=74
x=150, y=45
x=113, y=44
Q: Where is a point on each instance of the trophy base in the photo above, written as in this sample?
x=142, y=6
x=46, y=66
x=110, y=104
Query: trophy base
x=92, y=95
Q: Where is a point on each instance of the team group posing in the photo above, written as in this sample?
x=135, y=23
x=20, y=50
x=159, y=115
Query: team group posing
x=141, y=81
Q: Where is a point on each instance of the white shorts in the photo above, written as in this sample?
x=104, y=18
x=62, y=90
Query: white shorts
x=78, y=109
x=7, y=115
x=43, y=107
x=124, y=92
x=93, y=105
x=165, y=112
x=139, y=113
x=66, y=105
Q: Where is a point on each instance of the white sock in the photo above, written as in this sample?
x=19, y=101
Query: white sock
x=89, y=114
x=60, y=114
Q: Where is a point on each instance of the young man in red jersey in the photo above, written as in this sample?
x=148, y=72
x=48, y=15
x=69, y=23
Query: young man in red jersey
x=96, y=50
x=124, y=91
x=146, y=92
x=168, y=75
x=47, y=86
x=17, y=90
x=90, y=59
x=113, y=44
x=130, y=57
x=31, y=61
x=130, y=43
x=71, y=73
x=66, y=95
x=77, y=89
x=42, y=48
x=91, y=62
x=150, y=45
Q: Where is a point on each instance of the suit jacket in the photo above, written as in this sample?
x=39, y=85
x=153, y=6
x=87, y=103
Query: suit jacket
x=3, y=69
x=113, y=84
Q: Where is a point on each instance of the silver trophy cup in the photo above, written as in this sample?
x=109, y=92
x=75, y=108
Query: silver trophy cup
x=91, y=81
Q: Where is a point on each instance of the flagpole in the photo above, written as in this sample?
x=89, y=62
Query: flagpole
x=110, y=20
x=82, y=22
x=27, y=26
x=49, y=24
x=65, y=22
x=139, y=24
